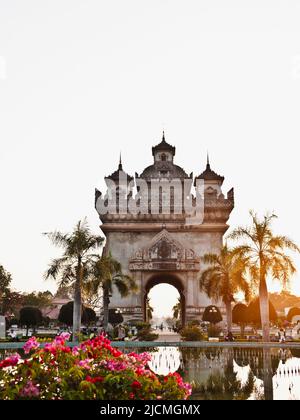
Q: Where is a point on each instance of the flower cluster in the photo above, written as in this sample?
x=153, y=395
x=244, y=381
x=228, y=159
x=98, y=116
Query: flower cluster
x=92, y=370
x=29, y=390
x=31, y=344
x=10, y=361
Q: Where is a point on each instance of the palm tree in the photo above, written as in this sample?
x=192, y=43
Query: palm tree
x=74, y=267
x=107, y=274
x=265, y=255
x=177, y=309
x=223, y=278
x=149, y=309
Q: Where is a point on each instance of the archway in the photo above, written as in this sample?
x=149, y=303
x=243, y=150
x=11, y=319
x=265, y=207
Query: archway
x=166, y=279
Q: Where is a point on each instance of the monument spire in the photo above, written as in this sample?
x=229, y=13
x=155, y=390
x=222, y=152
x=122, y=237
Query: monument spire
x=120, y=163
x=207, y=163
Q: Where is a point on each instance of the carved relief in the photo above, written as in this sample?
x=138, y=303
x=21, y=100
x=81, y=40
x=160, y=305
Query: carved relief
x=164, y=253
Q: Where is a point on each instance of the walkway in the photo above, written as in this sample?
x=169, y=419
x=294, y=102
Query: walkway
x=167, y=336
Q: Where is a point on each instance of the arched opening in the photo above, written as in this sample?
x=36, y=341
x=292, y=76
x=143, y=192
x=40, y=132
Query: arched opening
x=164, y=297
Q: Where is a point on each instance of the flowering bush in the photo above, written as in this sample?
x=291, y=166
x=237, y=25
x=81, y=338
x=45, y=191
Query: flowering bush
x=93, y=370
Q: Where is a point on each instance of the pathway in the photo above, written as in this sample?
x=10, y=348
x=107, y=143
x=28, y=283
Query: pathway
x=168, y=336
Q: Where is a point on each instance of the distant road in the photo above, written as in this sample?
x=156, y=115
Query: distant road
x=168, y=336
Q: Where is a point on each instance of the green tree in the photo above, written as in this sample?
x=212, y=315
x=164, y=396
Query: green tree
x=240, y=316
x=266, y=256
x=5, y=281
x=38, y=299
x=30, y=317
x=254, y=314
x=65, y=315
x=212, y=314
x=115, y=317
x=224, y=277
x=292, y=312
x=108, y=275
x=12, y=303
x=89, y=316
x=75, y=265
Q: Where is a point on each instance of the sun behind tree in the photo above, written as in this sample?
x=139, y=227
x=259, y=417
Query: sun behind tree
x=224, y=277
x=266, y=256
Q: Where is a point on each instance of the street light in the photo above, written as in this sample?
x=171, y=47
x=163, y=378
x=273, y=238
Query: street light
x=213, y=309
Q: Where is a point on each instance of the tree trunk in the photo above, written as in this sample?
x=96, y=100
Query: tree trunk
x=105, y=307
x=228, y=316
x=77, y=303
x=264, y=307
x=242, y=330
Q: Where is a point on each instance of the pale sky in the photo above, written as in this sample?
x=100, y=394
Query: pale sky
x=162, y=299
x=82, y=80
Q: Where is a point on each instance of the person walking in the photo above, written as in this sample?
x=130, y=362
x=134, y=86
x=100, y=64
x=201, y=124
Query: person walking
x=121, y=333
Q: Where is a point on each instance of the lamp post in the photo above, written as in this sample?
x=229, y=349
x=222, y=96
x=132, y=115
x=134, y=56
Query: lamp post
x=213, y=309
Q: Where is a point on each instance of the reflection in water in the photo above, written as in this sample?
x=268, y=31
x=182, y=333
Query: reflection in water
x=233, y=373
x=165, y=360
x=267, y=375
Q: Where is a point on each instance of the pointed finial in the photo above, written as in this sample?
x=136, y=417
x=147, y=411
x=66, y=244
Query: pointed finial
x=208, y=164
x=120, y=162
x=163, y=136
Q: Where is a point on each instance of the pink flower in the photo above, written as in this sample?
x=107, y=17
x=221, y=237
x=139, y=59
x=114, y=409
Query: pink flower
x=14, y=358
x=188, y=388
x=75, y=350
x=85, y=364
x=48, y=347
x=65, y=336
x=113, y=365
x=142, y=357
x=31, y=344
x=30, y=390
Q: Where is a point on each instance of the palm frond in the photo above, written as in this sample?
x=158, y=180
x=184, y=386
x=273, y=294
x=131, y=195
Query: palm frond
x=54, y=267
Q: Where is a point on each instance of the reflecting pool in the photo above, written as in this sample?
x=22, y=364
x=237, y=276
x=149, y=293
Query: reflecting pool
x=233, y=373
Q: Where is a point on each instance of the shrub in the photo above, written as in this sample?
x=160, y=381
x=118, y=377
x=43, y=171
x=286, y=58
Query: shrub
x=194, y=322
x=92, y=371
x=114, y=317
x=88, y=316
x=142, y=325
x=240, y=316
x=212, y=314
x=292, y=312
x=254, y=312
x=214, y=331
x=192, y=333
x=144, y=332
x=146, y=335
x=30, y=317
x=65, y=316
